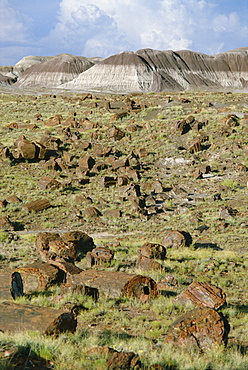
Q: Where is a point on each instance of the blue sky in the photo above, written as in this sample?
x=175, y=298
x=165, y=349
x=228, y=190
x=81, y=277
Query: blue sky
x=106, y=27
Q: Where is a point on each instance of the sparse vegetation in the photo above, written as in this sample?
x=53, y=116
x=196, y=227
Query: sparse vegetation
x=217, y=254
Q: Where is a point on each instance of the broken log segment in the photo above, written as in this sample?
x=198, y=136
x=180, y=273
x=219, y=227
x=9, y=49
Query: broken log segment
x=5, y=282
x=39, y=276
x=115, y=284
x=37, y=205
x=202, y=295
x=16, y=317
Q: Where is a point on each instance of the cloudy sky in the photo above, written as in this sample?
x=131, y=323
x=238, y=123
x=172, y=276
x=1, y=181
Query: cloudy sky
x=106, y=27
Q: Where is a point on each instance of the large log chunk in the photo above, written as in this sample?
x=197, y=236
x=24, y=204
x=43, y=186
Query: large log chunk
x=116, y=284
x=147, y=264
x=39, y=276
x=202, y=295
x=201, y=328
x=71, y=245
x=22, y=317
x=5, y=283
x=37, y=205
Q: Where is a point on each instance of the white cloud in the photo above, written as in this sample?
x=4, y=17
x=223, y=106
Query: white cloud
x=13, y=26
x=105, y=27
x=110, y=26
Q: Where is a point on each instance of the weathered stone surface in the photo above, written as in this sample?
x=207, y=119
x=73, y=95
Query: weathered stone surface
x=116, y=133
x=5, y=283
x=37, y=205
x=201, y=328
x=202, y=295
x=92, y=212
x=23, y=317
x=6, y=224
x=167, y=283
x=147, y=264
x=99, y=256
x=117, y=284
x=38, y=276
x=177, y=239
x=152, y=250
x=70, y=245
x=86, y=163
x=116, y=360
x=80, y=289
x=47, y=182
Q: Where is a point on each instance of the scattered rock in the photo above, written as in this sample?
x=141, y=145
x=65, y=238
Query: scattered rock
x=200, y=328
x=99, y=256
x=6, y=224
x=38, y=276
x=202, y=295
x=151, y=250
x=37, y=205
x=16, y=318
x=177, y=239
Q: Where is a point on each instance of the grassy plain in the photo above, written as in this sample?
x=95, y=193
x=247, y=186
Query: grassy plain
x=218, y=253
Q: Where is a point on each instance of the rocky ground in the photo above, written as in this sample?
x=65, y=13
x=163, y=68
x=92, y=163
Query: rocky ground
x=127, y=170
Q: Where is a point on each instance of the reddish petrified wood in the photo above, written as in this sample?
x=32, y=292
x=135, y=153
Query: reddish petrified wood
x=37, y=205
x=201, y=327
x=116, y=284
x=70, y=245
x=202, y=295
x=177, y=239
x=39, y=275
x=151, y=250
x=21, y=317
x=147, y=264
x=98, y=256
x=5, y=283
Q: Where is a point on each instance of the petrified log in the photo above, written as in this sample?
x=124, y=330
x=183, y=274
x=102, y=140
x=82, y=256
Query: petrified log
x=70, y=245
x=202, y=295
x=116, y=360
x=115, y=132
x=99, y=256
x=81, y=289
x=38, y=276
x=116, y=284
x=21, y=317
x=6, y=224
x=201, y=327
x=5, y=282
x=37, y=205
x=68, y=267
x=47, y=182
x=152, y=250
x=147, y=264
x=177, y=239
x=167, y=283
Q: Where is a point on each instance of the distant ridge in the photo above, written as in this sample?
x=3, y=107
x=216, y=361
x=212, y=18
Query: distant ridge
x=146, y=70
x=54, y=71
x=150, y=70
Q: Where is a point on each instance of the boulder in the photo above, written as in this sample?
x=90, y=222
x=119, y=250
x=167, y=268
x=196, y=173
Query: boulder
x=16, y=318
x=147, y=264
x=152, y=250
x=6, y=224
x=200, y=328
x=39, y=276
x=202, y=295
x=99, y=256
x=37, y=205
x=176, y=239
